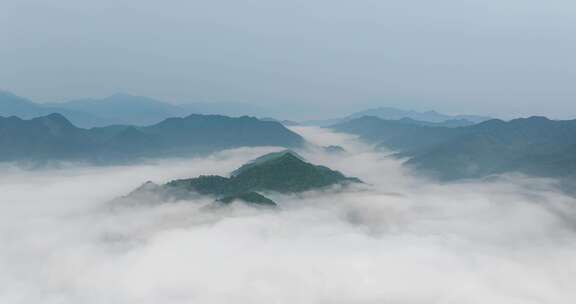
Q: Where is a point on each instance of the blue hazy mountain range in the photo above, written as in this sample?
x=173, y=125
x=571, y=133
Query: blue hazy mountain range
x=431, y=118
x=122, y=108
x=119, y=108
x=389, y=113
x=53, y=137
x=444, y=146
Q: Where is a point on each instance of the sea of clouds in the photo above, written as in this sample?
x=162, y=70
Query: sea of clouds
x=399, y=238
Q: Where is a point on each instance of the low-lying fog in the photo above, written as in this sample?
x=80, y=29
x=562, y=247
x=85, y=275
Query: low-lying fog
x=400, y=239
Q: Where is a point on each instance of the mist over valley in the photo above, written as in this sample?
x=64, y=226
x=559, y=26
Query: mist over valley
x=396, y=237
x=287, y=152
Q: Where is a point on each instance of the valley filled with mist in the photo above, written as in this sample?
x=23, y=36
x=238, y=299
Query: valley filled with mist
x=396, y=237
x=287, y=152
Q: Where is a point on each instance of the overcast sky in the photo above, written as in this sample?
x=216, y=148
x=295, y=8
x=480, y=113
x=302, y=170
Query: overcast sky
x=329, y=57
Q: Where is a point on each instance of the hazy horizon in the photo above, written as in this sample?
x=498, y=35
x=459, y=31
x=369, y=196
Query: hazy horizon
x=295, y=113
x=304, y=59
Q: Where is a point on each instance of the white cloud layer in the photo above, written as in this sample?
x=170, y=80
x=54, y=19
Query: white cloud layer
x=399, y=239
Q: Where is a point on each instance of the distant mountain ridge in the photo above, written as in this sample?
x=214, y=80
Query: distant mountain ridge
x=123, y=108
x=142, y=110
x=53, y=137
x=120, y=108
x=431, y=118
x=397, y=134
x=389, y=113
x=536, y=146
x=13, y=105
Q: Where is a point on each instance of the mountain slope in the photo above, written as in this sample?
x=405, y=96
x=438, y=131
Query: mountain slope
x=536, y=146
x=221, y=132
x=283, y=172
x=389, y=113
x=252, y=198
x=13, y=105
x=42, y=138
x=263, y=159
x=397, y=134
x=123, y=108
x=53, y=137
x=116, y=109
x=430, y=118
x=493, y=147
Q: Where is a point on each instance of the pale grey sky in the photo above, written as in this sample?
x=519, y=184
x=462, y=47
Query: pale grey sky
x=321, y=57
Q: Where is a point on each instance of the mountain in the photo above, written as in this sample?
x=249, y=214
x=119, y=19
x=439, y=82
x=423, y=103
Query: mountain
x=389, y=113
x=530, y=146
x=452, y=123
x=53, y=137
x=216, y=132
x=42, y=138
x=224, y=108
x=263, y=159
x=13, y=105
x=288, y=123
x=252, y=198
x=429, y=118
x=397, y=134
x=283, y=172
x=536, y=146
x=120, y=108
x=124, y=108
